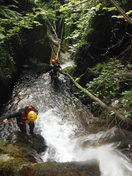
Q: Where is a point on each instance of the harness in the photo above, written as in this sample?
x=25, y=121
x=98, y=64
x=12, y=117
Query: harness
x=24, y=112
x=23, y=115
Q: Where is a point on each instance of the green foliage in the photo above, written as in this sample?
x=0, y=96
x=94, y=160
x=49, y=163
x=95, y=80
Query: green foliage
x=7, y=65
x=77, y=17
x=12, y=22
x=6, y=12
x=122, y=17
x=105, y=84
x=70, y=70
x=45, y=12
x=4, y=142
x=108, y=87
x=7, y=168
x=123, y=2
x=125, y=102
x=52, y=4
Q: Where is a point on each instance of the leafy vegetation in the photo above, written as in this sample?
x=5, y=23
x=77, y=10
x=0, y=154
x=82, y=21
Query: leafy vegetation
x=11, y=23
x=111, y=87
x=17, y=20
x=95, y=33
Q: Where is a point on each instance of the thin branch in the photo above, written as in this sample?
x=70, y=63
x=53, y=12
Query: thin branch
x=129, y=48
x=129, y=19
x=128, y=74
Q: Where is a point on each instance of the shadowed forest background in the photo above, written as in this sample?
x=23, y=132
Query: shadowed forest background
x=96, y=35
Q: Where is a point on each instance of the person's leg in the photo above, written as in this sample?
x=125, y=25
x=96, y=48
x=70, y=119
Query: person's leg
x=31, y=127
x=22, y=126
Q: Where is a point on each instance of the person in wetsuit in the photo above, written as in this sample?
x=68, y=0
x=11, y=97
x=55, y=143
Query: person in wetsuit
x=54, y=73
x=24, y=116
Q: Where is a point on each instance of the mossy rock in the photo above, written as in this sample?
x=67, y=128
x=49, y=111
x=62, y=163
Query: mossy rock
x=24, y=147
x=47, y=169
x=17, y=158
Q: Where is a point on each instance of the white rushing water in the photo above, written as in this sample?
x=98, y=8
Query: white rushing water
x=61, y=122
x=58, y=137
x=64, y=146
x=68, y=64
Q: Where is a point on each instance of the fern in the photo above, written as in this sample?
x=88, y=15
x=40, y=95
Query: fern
x=6, y=12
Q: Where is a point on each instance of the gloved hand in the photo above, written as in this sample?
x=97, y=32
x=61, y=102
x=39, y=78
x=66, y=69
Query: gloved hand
x=6, y=121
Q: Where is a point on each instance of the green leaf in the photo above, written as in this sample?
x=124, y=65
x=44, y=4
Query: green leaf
x=2, y=36
x=98, y=7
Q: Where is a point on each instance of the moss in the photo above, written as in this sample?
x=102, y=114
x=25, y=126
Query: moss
x=9, y=168
x=20, y=168
x=21, y=164
x=97, y=43
x=66, y=169
x=6, y=170
x=23, y=147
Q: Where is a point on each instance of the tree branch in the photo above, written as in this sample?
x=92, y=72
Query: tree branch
x=128, y=74
x=129, y=19
x=101, y=103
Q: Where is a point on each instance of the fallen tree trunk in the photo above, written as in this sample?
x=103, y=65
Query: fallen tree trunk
x=101, y=103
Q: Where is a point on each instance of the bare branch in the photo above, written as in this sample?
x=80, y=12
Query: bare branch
x=128, y=74
x=129, y=19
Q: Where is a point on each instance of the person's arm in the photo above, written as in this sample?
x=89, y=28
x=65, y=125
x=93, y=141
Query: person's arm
x=7, y=117
x=16, y=114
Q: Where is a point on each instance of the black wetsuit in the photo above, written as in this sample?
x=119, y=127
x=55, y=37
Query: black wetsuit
x=55, y=70
x=21, y=117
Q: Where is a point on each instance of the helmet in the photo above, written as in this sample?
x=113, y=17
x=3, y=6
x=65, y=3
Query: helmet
x=56, y=60
x=53, y=61
x=32, y=116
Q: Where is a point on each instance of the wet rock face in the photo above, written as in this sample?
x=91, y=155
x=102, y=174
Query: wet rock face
x=23, y=159
x=62, y=169
x=31, y=50
x=26, y=147
x=38, y=143
x=33, y=145
x=48, y=169
x=5, y=157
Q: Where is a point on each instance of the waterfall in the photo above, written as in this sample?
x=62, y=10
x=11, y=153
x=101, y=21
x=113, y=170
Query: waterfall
x=65, y=146
x=64, y=123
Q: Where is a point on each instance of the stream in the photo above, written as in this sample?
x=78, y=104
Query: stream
x=64, y=122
